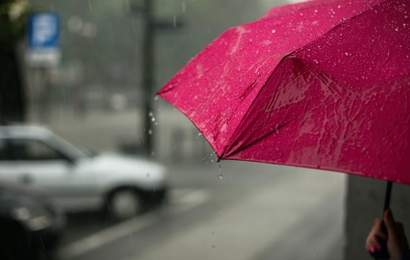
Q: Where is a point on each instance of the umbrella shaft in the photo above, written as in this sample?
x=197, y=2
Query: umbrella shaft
x=387, y=196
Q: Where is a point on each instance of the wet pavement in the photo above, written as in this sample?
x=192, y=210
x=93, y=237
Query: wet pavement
x=234, y=211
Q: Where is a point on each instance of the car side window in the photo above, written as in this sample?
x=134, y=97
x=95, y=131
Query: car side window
x=4, y=151
x=33, y=150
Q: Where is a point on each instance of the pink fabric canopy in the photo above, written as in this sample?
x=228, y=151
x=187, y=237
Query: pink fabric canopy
x=320, y=84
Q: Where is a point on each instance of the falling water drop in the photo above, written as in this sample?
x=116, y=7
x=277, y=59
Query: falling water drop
x=220, y=175
x=174, y=21
x=183, y=7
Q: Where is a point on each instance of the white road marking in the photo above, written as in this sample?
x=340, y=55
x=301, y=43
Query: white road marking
x=181, y=201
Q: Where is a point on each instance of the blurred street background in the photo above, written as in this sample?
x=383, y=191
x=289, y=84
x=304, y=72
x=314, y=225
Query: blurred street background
x=241, y=211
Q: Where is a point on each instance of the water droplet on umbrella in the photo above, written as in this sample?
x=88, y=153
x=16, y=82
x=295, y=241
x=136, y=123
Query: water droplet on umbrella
x=396, y=29
x=273, y=31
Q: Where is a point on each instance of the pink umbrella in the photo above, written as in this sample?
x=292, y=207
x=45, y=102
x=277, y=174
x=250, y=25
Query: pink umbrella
x=323, y=84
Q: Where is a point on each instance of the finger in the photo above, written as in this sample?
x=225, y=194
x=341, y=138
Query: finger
x=378, y=229
x=377, y=222
x=373, y=243
x=389, y=221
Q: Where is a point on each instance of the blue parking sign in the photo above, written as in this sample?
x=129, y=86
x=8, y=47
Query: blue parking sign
x=43, y=31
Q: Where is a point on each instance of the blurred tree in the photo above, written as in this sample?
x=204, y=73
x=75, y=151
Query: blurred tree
x=13, y=15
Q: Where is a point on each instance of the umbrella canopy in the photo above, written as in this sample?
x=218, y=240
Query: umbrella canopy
x=320, y=84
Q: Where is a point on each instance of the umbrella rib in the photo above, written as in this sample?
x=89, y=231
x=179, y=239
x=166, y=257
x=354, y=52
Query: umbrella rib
x=231, y=142
x=274, y=130
x=292, y=54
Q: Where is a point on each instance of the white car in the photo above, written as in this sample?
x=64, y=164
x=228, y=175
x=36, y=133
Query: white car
x=77, y=180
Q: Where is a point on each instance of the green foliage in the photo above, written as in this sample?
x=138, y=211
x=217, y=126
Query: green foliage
x=13, y=15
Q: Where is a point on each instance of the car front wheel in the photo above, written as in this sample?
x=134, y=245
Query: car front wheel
x=123, y=204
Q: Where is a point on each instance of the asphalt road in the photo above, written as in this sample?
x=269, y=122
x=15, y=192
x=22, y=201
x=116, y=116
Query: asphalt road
x=232, y=210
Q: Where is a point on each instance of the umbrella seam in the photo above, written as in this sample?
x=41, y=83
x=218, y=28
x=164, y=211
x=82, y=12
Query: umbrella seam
x=315, y=72
x=230, y=142
x=292, y=54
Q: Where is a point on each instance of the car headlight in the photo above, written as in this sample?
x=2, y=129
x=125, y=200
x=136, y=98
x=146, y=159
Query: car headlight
x=34, y=221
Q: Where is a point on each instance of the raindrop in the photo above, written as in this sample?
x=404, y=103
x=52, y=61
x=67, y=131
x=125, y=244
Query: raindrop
x=316, y=61
x=273, y=31
x=199, y=134
x=150, y=131
x=339, y=6
x=174, y=21
x=316, y=11
x=156, y=98
x=90, y=6
x=220, y=175
x=347, y=54
x=396, y=29
x=183, y=7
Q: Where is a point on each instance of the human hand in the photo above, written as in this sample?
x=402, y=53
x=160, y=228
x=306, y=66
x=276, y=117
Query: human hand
x=390, y=231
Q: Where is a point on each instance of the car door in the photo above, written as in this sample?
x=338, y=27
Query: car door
x=40, y=165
